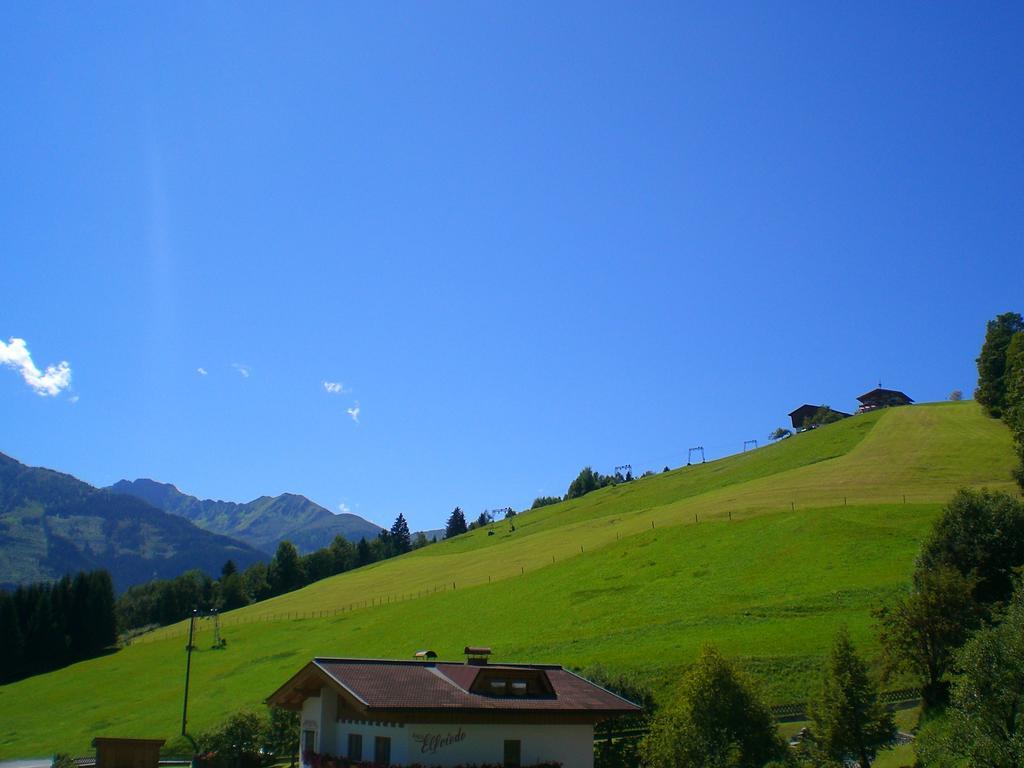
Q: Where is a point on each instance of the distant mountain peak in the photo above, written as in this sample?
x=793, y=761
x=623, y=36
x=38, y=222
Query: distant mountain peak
x=263, y=523
x=54, y=524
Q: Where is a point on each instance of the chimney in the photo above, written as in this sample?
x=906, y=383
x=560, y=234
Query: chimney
x=476, y=655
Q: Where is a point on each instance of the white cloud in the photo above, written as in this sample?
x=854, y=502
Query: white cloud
x=353, y=412
x=56, y=378
x=201, y=371
x=243, y=370
x=343, y=507
x=335, y=387
x=73, y=399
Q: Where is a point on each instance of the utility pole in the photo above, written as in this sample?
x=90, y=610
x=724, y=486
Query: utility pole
x=188, y=669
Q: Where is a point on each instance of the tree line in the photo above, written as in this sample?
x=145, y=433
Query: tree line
x=48, y=626
x=166, y=601
x=586, y=481
x=1001, y=378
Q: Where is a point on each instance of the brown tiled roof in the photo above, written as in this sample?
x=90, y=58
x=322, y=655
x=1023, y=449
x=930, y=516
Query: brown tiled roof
x=419, y=685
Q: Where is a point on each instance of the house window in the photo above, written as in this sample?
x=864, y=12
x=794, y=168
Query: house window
x=355, y=746
x=513, y=748
x=382, y=750
x=308, y=743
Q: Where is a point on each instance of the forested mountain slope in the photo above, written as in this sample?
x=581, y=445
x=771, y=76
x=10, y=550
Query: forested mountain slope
x=52, y=524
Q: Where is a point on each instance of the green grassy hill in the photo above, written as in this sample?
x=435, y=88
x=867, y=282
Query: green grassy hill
x=764, y=554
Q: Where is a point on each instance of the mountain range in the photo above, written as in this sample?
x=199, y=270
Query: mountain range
x=262, y=523
x=52, y=524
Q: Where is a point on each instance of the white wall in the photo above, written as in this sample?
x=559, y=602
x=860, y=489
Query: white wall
x=571, y=745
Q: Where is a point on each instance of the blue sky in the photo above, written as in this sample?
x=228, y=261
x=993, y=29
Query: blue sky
x=523, y=237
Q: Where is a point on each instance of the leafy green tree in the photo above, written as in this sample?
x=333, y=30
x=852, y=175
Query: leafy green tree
x=779, y=433
x=1013, y=413
x=317, y=565
x=586, y=481
x=286, y=569
x=991, y=391
x=985, y=722
x=237, y=742
x=849, y=722
x=714, y=720
x=420, y=540
x=232, y=592
x=257, y=581
x=824, y=415
x=921, y=632
x=401, y=539
x=282, y=732
x=545, y=501
x=456, y=524
x=980, y=532
x=956, y=395
x=343, y=553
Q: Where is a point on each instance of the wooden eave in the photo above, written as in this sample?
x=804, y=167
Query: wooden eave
x=307, y=683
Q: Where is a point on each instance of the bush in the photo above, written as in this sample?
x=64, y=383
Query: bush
x=239, y=742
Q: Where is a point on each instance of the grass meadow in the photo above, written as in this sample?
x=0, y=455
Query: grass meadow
x=764, y=554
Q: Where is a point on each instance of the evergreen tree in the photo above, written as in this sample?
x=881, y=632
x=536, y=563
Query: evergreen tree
x=456, y=524
x=364, y=555
x=229, y=568
x=11, y=643
x=101, y=608
x=401, y=539
x=991, y=391
x=848, y=720
x=285, y=569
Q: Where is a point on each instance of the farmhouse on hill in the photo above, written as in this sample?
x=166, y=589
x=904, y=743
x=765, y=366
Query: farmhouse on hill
x=882, y=398
x=436, y=713
x=800, y=416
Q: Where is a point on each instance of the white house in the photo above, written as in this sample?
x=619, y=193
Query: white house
x=435, y=713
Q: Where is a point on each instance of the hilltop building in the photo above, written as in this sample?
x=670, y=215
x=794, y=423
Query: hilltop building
x=439, y=713
x=882, y=398
x=806, y=411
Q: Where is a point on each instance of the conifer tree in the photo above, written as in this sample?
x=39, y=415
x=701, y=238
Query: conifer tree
x=401, y=538
x=849, y=722
x=456, y=523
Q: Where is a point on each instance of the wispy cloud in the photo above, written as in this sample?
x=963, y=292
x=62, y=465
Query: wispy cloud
x=343, y=507
x=52, y=382
x=335, y=387
x=353, y=412
x=201, y=371
x=73, y=399
x=243, y=370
